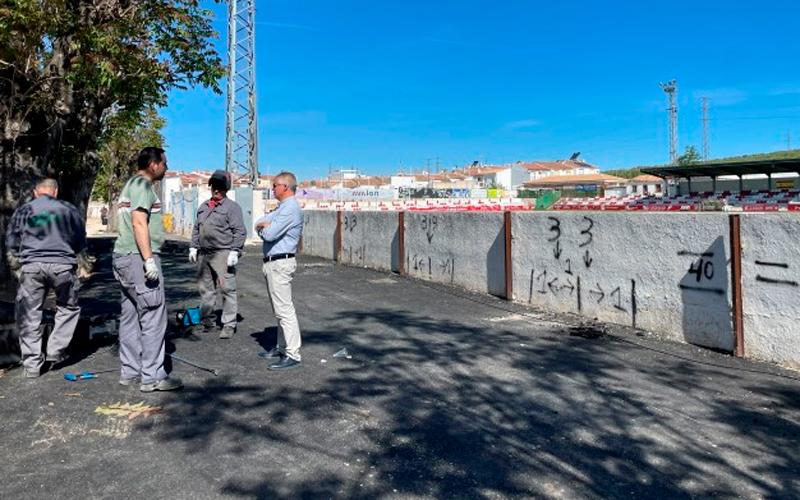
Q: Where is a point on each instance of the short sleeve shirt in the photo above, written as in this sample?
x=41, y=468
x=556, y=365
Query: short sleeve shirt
x=138, y=194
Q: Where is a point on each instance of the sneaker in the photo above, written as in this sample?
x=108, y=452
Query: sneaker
x=272, y=353
x=227, y=332
x=30, y=374
x=129, y=381
x=209, y=325
x=286, y=363
x=167, y=384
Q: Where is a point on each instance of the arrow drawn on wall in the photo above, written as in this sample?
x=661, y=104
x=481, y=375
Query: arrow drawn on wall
x=599, y=292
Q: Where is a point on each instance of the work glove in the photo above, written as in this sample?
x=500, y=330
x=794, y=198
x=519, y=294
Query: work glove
x=192, y=255
x=233, y=258
x=150, y=269
x=14, y=265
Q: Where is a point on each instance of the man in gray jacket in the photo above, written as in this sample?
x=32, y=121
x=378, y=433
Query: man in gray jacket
x=43, y=239
x=217, y=241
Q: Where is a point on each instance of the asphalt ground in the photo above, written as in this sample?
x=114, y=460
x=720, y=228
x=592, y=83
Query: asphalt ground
x=447, y=394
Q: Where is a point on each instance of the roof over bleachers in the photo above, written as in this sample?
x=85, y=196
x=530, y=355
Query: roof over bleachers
x=732, y=167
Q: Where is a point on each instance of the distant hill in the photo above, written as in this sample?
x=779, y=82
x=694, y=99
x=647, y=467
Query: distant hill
x=787, y=154
x=625, y=173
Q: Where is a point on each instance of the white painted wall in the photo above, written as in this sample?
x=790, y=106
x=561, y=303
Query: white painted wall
x=513, y=177
x=770, y=292
x=464, y=249
x=632, y=270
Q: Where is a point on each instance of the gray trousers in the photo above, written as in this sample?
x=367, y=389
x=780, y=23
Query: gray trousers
x=36, y=280
x=215, y=277
x=143, y=320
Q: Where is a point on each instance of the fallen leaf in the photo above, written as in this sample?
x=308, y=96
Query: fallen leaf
x=128, y=410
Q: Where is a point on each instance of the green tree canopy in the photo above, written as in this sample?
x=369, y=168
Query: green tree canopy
x=71, y=71
x=689, y=157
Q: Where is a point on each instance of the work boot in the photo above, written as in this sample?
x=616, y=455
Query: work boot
x=167, y=384
x=227, y=332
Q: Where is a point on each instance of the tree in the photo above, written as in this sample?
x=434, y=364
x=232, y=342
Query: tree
x=118, y=156
x=689, y=157
x=70, y=69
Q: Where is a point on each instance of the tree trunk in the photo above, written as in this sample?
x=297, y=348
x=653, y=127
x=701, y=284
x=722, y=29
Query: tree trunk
x=27, y=157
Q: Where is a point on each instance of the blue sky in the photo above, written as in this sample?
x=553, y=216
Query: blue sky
x=386, y=85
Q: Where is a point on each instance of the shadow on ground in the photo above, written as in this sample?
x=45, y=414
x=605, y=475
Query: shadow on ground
x=445, y=409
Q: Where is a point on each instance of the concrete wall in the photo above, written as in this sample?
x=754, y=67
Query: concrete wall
x=319, y=231
x=459, y=248
x=370, y=239
x=770, y=277
x=666, y=273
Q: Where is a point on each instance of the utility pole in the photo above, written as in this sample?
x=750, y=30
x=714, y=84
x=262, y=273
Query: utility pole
x=671, y=89
x=704, y=101
x=789, y=140
x=428, y=169
x=241, y=135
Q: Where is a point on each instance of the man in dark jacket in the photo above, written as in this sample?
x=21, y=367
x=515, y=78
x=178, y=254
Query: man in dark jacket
x=217, y=241
x=43, y=240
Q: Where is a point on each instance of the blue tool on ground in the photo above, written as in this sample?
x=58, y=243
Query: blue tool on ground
x=74, y=377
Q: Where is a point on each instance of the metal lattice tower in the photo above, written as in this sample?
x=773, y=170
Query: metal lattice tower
x=704, y=104
x=241, y=145
x=671, y=88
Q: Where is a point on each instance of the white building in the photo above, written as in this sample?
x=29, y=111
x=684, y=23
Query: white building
x=541, y=169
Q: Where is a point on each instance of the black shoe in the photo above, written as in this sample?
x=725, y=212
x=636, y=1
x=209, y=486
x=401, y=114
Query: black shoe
x=286, y=363
x=209, y=326
x=272, y=353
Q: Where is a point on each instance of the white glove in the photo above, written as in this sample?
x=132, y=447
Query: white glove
x=233, y=258
x=150, y=269
x=192, y=255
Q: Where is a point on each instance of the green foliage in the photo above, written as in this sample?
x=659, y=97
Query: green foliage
x=118, y=153
x=789, y=154
x=74, y=71
x=627, y=173
x=689, y=157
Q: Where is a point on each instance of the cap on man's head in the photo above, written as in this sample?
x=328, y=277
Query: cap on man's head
x=220, y=179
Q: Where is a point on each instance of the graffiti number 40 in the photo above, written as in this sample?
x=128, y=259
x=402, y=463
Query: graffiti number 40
x=702, y=268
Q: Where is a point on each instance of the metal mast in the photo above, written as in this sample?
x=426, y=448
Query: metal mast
x=241, y=145
x=671, y=88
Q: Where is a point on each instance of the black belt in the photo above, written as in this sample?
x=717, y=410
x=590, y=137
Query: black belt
x=279, y=256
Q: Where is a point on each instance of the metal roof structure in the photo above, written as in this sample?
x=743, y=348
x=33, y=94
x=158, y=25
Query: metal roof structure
x=717, y=169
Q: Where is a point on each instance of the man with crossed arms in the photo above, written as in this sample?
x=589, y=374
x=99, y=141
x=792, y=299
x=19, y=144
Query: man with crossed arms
x=281, y=230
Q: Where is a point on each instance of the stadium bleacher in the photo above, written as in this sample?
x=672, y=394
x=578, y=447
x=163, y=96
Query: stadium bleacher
x=746, y=201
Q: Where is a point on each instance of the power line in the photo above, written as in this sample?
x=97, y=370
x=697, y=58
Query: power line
x=704, y=101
